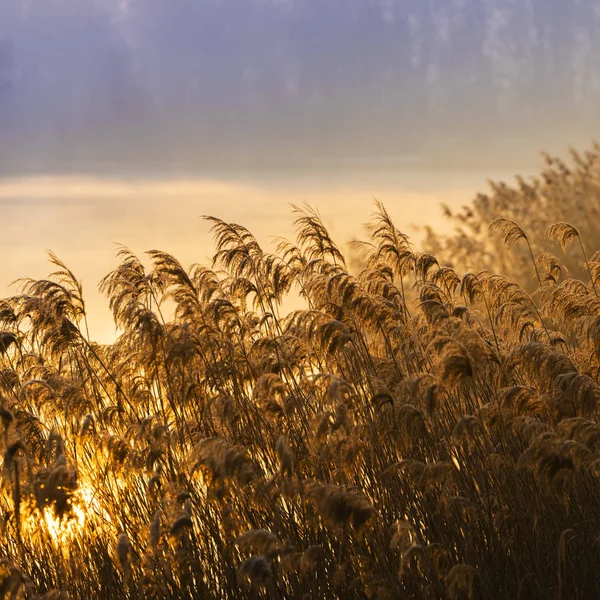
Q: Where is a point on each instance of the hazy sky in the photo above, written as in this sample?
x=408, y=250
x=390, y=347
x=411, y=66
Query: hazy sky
x=180, y=85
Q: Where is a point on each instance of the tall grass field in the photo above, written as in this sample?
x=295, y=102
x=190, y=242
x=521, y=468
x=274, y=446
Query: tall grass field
x=425, y=426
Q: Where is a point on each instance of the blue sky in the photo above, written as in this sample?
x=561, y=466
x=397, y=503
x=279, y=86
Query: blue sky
x=180, y=85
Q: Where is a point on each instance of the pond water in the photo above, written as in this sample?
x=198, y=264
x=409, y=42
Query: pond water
x=80, y=218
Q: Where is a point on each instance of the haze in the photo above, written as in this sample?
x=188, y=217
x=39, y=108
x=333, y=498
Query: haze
x=125, y=120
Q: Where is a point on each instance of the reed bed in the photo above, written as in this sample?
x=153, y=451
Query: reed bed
x=414, y=431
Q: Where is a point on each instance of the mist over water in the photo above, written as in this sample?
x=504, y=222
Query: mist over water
x=81, y=218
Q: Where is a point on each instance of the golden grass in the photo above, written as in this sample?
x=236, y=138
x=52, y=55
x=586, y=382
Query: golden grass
x=410, y=431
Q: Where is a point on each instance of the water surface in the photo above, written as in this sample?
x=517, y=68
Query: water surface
x=81, y=218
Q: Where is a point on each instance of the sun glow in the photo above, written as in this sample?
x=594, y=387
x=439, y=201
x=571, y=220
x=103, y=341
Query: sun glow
x=65, y=527
x=84, y=505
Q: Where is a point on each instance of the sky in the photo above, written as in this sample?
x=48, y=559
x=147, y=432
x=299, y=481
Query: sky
x=126, y=120
x=180, y=86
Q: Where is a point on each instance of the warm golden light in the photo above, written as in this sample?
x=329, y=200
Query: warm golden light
x=403, y=425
